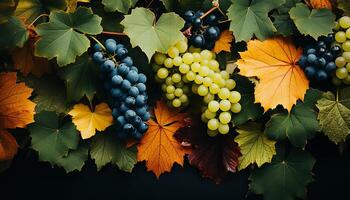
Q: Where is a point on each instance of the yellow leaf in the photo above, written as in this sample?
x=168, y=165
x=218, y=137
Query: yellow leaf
x=72, y=4
x=88, y=122
x=280, y=79
x=318, y=4
x=255, y=146
x=224, y=42
x=158, y=147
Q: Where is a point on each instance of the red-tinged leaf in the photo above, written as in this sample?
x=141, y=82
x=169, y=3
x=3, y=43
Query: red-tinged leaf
x=8, y=145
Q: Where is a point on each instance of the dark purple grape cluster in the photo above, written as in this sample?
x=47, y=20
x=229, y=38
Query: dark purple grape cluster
x=318, y=59
x=126, y=87
x=204, y=32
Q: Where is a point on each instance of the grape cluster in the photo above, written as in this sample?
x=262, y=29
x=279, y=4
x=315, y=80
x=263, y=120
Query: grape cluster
x=204, y=32
x=318, y=59
x=126, y=87
x=342, y=37
x=199, y=70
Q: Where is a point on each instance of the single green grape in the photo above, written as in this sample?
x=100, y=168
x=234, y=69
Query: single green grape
x=340, y=61
x=168, y=63
x=340, y=37
x=195, y=67
x=169, y=81
x=344, y=22
x=236, y=108
x=346, y=45
x=207, y=82
x=162, y=73
x=170, y=96
x=170, y=89
x=225, y=117
x=206, y=55
x=178, y=92
x=173, y=52
x=234, y=97
x=203, y=71
x=190, y=76
x=224, y=93
x=225, y=105
x=177, y=61
x=341, y=73
x=213, y=124
x=176, y=103
x=223, y=128
x=346, y=56
x=230, y=84
x=176, y=78
x=213, y=106
x=188, y=58
x=202, y=90
x=184, y=98
x=198, y=79
x=159, y=58
x=197, y=57
x=209, y=115
x=214, y=89
x=208, y=98
x=182, y=46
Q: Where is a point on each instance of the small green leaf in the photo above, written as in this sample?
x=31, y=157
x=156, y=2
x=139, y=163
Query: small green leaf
x=13, y=34
x=64, y=35
x=122, y=6
x=106, y=148
x=254, y=145
x=50, y=139
x=81, y=78
x=249, y=18
x=31, y=9
x=298, y=125
x=7, y=7
x=334, y=115
x=153, y=36
x=250, y=110
x=285, y=178
x=75, y=159
x=315, y=23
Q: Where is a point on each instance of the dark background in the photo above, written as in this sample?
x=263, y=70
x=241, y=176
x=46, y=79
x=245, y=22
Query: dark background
x=30, y=179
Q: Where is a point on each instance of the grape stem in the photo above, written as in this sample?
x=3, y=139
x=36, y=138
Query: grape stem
x=36, y=19
x=224, y=21
x=113, y=33
x=98, y=42
x=149, y=4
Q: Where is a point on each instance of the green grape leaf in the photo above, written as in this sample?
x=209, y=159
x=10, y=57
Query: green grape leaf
x=254, y=145
x=298, y=125
x=122, y=6
x=334, y=115
x=315, y=23
x=182, y=5
x=249, y=18
x=160, y=35
x=49, y=93
x=285, y=178
x=18, y=34
x=110, y=20
x=31, y=9
x=81, y=78
x=50, y=139
x=284, y=24
x=75, y=159
x=64, y=35
x=106, y=148
x=250, y=110
x=345, y=6
x=7, y=7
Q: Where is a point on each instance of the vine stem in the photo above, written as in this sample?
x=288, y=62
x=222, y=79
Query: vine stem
x=113, y=33
x=224, y=21
x=98, y=42
x=38, y=17
x=149, y=4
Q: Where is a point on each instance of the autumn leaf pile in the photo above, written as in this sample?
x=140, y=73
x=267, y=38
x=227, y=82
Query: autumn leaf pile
x=53, y=101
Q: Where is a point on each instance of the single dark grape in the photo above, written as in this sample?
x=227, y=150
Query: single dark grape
x=133, y=91
x=321, y=62
x=140, y=100
x=121, y=120
x=122, y=53
x=197, y=22
x=328, y=56
x=303, y=61
x=330, y=67
x=128, y=61
x=336, y=50
x=142, y=78
x=130, y=101
x=130, y=115
x=212, y=33
x=126, y=85
x=310, y=71
x=98, y=57
x=189, y=15
x=311, y=58
x=321, y=50
x=311, y=51
x=321, y=75
x=117, y=80
x=132, y=76
x=198, y=41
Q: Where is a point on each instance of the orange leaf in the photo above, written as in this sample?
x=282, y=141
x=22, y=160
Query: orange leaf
x=16, y=110
x=318, y=4
x=26, y=62
x=224, y=42
x=8, y=145
x=274, y=63
x=158, y=147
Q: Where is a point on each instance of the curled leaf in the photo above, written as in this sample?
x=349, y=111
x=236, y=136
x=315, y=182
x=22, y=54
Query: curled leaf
x=224, y=42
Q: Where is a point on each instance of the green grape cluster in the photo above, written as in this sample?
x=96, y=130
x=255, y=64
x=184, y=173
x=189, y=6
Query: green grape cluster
x=183, y=68
x=342, y=36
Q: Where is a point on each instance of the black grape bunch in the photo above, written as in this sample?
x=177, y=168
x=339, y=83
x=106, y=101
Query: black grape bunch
x=203, y=33
x=126, y=87
x=318, y=59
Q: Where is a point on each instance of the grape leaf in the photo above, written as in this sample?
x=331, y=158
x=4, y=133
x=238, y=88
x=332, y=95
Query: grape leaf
x=344, y=5
x=285, y=178
x=72, y=4
x=314, y=23
x=254, y=145
x=334, y=115
x=8, y=145
x=181, y=6
x=81, y=78
x=49, y=93
x=158, y=147
x=250, y=110
x=75, y=159
x=318, y=4
x=87, y=121
x=31, y=9
x=224, y=42
x=19, y=34
x=213, y=156
x=122, y=6
x=249, y=18
x=107, y=148
x=26, y=62
x=110, y=20
x=298, y=125
x=161, y=35
x=64, y=35
x=274, y=63
x=7, y=7
x=282, y=21
x=50, y=139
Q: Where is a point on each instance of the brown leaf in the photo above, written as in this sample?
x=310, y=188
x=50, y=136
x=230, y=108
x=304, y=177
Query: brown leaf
x=224, y=42
x=8, y=145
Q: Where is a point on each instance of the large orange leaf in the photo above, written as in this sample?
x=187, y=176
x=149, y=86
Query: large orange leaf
x=158, y=147
x=8, y=145
x=16, y=110
x=26, y=62
x=318, y=4
x=224, y=42
x=274, y=63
